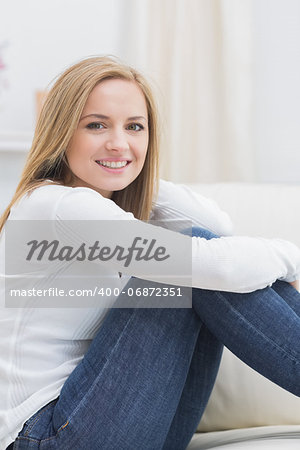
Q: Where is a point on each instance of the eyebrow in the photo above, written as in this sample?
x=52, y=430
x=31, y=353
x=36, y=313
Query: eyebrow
x=102, y=116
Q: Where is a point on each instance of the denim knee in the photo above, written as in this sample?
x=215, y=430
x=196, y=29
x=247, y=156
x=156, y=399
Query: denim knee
x=199, y=232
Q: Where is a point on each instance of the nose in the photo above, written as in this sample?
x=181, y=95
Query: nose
x=117, y=140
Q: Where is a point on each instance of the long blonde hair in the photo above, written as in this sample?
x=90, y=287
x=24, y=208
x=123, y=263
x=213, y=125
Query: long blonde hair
x=58, y=120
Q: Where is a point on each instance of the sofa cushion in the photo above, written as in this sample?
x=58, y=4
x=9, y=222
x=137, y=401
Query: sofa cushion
x=241, y=397
x=265, y=438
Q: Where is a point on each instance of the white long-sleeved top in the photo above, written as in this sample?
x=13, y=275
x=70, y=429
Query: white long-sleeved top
x=39, y=348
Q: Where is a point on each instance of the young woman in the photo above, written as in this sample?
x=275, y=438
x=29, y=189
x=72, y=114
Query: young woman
x=133, y=378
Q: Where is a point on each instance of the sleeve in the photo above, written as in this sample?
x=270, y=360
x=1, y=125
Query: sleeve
x=179, y=202
x=230, y=263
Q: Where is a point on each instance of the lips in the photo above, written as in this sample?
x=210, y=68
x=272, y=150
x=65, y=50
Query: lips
x=113, y=159
x=113, y=165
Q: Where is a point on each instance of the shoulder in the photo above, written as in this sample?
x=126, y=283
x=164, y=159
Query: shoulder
x=181, y=203
x=38, y=203
x=50, y=201
x=168, y=191
x=173, y=195
x=82, y=203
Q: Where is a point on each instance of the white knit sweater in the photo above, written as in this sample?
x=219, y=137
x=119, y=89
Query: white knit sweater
x=39, y=348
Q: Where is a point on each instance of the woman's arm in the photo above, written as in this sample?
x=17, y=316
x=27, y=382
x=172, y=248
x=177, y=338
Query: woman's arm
x=295, y=284
x=236, y=264
x=179, y=202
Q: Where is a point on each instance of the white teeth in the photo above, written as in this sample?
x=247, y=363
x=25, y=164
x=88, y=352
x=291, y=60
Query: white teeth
x=112, y=164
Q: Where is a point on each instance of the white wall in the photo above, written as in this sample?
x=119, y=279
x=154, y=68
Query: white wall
x=42, y=39
x=276, y=90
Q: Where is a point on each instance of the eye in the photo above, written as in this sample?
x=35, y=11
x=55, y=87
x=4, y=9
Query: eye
x=95, y=126
x=135, y=127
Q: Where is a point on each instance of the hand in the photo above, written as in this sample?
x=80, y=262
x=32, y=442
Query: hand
x=295, y=284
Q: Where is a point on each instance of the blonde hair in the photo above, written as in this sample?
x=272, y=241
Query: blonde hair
x=58, y=120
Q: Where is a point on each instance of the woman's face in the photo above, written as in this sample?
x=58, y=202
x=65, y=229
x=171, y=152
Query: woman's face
x=108, y=149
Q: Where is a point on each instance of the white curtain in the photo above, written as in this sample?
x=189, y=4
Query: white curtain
x=199, y=55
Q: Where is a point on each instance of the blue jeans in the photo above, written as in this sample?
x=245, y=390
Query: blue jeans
x=148, y=374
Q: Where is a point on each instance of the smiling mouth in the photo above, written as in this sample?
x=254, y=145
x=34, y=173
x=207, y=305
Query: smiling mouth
x=113, y=164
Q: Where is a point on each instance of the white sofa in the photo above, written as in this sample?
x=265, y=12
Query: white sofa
x=245, y=410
